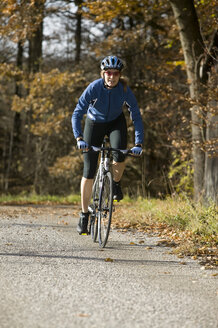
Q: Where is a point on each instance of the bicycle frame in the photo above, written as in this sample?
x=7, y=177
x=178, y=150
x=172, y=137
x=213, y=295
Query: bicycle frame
x=104, y=167
x=102, y=206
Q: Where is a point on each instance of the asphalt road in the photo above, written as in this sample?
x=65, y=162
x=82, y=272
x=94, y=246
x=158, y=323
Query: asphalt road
x=52, y=277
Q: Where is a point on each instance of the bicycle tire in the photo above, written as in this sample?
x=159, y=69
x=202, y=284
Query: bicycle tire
x=105, y=210
x=93, y=209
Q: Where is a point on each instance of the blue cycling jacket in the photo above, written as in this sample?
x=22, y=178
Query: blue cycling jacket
x=105, y=105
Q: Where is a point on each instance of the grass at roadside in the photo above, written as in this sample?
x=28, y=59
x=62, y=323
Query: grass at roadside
x=38, y=199
x=190, y=228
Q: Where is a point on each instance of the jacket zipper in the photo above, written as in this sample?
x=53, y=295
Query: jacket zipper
x=108, y=106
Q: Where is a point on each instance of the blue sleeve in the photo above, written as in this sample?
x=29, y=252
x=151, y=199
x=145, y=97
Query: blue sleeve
x=135, y=115
x=80, y=111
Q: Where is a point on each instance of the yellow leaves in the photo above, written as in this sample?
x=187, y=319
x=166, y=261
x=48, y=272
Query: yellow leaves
x=49, y=98
x=176, y=63
x=106, y=11
x=49, y=83
x=9, y=6
x=17, y=104
x=67, y=165
x=46, y=123
x=9, y=71
x=22, y=17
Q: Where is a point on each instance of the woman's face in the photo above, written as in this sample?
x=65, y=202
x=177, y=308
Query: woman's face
x=111, y=77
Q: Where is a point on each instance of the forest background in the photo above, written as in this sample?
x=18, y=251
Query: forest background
x=51, y=50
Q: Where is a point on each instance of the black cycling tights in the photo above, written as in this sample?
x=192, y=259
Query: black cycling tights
x=94, y=134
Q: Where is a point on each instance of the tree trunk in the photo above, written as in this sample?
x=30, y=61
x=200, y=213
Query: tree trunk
x=35, y=61
x=15, y=128
x=41, y=185
x=35, y=50
x=18, y=92
x=8, y=168
x=208, y=72
x=78, y=32
x=35, y=40
x=193, y=48
x=211, y=160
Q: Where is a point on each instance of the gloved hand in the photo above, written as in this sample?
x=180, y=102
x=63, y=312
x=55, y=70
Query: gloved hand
x=137, y=150
x=81, y=144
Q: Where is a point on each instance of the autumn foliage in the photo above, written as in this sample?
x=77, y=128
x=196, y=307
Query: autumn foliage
x=38, y=91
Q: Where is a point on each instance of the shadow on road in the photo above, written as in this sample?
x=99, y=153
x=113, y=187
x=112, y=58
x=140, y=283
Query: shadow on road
x=88, y=258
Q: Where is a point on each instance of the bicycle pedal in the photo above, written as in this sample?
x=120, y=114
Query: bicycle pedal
x=84, y=234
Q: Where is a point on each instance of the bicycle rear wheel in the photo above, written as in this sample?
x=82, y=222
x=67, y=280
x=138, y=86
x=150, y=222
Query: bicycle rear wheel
x=105, y=209
x=93, y=209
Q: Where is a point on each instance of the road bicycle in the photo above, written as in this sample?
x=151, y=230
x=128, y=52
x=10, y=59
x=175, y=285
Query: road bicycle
x=101, y=206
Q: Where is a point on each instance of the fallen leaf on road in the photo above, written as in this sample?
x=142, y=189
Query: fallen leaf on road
x=166, y=242
x=62, y=222
x=108, y=259
x=83, y=315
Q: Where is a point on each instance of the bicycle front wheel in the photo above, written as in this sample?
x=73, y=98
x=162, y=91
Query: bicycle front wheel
x=105, y=209
x=93, y=209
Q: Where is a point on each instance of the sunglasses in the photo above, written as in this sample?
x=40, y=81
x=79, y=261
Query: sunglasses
x=109, y=73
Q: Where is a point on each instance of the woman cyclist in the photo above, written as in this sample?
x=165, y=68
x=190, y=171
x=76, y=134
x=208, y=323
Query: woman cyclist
x=103, y=102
